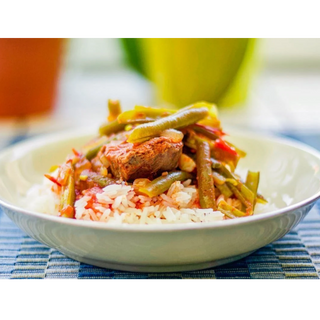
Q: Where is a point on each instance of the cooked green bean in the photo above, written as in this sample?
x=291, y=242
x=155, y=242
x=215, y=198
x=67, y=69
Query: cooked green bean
x=227, y=213
x=144, y=113
x=132, y=115
x=163, y=183
x=68, y=197
x=192, y=138
x=212, y=118
x=224, y=170
x=204, y=176
x=215, y=164
x=247, y=193
x=229, y=210
x=203, y=130
x=241, y=191
x=134, y=120
x=201, y=104
x=218, y=178
x=239, y=195
x=91, y=150
x=91, y=153
x=225, y=190
x=252, y=182
x=103, y=181
x=157, y=112
x=177, y=120
x=111, y=127
x=261, y=199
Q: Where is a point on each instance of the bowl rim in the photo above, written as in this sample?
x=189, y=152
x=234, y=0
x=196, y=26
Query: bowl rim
x=34, y=142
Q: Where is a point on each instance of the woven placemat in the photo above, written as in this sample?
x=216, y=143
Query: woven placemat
x=296, y=255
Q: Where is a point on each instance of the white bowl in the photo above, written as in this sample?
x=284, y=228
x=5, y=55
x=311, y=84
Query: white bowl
x=290, y=178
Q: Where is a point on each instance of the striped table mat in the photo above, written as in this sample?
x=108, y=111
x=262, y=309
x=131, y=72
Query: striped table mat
x=296, y=255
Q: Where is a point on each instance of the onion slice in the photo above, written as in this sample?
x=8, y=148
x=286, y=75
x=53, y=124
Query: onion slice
x=173, y=135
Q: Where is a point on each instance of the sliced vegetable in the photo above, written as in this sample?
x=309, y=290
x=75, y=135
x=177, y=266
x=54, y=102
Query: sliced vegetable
x=68, y=196
x=186, y=163
x=177, y=120
x=111, y=127
x=239, y=195
x=252, y=181
x=224, y=170
x=220, y=150
x=103, y=181
x=63, y=173
x=212, y=109
x=225, y=190
x=212, y=120
x=192, y=138
x=247, y=193
x=53, y=168
x=243, y=193
x=207, y=131
x=223, y=145
x=90, y=151
x=215, y=164
x=140, y=183
x=132, y=116
x=229, y=210
x=53, y=179
x=144, y=113
x=173, y=135
x=218, y=178
x=240, y=152
x=163, y=183
x=261, y=199
x=225, y=152
x=81, y=165
x=204, y=176
x=154, y=112
x=114, y=109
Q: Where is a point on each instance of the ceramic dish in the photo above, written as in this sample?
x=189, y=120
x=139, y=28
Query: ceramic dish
x=290, y=179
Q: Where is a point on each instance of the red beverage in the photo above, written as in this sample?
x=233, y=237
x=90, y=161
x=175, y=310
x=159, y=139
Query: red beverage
x=29, y=71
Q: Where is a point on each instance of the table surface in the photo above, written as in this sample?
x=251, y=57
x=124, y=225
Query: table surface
x=281, y=102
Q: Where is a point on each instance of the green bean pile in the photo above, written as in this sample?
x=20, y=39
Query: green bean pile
x=207, y=159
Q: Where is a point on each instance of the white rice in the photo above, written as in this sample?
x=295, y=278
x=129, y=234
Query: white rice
x=120, y=204
x=41, y=198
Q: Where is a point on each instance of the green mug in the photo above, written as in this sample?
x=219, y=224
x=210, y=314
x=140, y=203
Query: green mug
x=188, y=70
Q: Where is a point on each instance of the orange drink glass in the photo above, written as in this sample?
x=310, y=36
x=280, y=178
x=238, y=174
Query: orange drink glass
x=29, y=71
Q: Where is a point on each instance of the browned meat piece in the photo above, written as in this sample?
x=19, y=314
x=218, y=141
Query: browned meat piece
x=146, y=160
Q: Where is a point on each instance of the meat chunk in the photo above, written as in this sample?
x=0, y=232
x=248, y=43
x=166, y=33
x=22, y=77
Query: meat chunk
x=146, y=160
